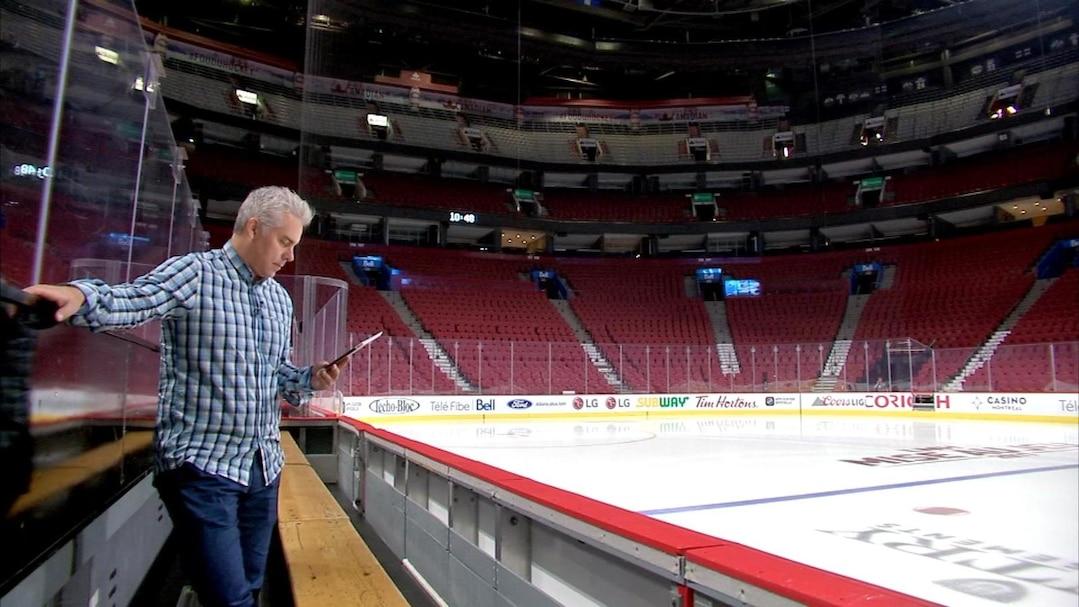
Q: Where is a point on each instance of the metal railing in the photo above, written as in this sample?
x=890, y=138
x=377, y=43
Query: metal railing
x=404, y=365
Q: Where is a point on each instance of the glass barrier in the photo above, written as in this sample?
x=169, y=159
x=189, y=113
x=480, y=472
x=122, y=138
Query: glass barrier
x=319, y=306
x=92, y=186
x=403, y=365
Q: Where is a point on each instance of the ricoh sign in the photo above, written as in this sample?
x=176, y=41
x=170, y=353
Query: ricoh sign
x=882, y=401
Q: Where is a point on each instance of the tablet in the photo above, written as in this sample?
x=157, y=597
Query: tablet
x=363, y=344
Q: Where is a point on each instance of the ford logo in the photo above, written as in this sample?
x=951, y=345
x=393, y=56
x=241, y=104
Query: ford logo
x=519, y=403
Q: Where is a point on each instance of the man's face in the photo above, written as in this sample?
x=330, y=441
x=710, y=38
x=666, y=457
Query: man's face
x=272, y=247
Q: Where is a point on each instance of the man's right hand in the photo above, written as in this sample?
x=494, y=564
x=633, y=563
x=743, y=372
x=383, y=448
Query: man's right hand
x=68, y=300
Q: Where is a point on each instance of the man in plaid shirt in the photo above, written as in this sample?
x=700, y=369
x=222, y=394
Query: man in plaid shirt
x=225, y=345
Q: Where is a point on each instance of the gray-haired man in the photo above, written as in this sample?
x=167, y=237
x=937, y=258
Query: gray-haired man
x=225, y=344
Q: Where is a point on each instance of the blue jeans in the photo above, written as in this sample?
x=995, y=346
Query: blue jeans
x=223, y=529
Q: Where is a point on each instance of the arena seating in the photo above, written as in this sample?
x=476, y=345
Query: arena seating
x=396, y=363
x=19, y=207
x=642, y=306
x=18, y=256
x=484, y=312
x=1053, y=317
x=920, y=116
x=25, y=127
x=429, y=192
x=232, y=165
x=1037, y=162
x=616, y=206
x=1024, y=362
x=951, y=295
x=791, y=201
x=783, y=337
x=475, y=306
x=223, y=164
x=76, y=229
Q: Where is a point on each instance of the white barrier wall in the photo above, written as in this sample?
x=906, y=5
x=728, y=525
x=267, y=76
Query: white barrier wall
x=1050, y=407
x=474, y=534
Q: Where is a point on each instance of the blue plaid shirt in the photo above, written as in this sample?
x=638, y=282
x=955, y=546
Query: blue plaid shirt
x=225, y=344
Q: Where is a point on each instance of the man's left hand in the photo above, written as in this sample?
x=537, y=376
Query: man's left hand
x=324, y=376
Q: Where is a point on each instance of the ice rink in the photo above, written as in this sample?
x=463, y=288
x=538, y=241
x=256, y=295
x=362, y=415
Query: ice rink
x=956, y=512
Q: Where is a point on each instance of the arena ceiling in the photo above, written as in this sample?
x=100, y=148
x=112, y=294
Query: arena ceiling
x=670, y=21
x=616, y=49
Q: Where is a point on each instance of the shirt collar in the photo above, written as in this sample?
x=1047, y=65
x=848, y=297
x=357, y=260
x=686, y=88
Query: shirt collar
x=238, y=262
